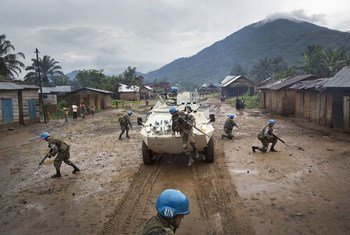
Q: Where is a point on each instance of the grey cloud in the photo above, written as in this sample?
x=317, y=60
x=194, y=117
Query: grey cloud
x=297, y=15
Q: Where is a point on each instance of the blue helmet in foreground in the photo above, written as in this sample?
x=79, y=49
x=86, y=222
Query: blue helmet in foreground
x=271, y=122
x=171, y=203
x=129, y=112
x=231, y=116
x=172, y=109
x=44, y=135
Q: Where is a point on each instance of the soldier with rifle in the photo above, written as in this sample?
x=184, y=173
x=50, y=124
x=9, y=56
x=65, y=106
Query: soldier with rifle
x=266, y=137
x=60, y=148
x=183, y=123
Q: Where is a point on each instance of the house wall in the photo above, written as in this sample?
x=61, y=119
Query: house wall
x=14, y=97
x=273, y=101
x=131, y=96
x=288, y=101
x=94, y=99
x=26, y=96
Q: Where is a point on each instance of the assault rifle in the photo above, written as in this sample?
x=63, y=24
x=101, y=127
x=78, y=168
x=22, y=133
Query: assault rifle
x=195, y=127
x=279, y=139
x=42, y=161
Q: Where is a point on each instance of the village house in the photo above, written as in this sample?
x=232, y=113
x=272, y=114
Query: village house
x=208, y=88
x=19, y=103
x=91, y=97
x=338, y=90
x=53, y=95
x=146, y=92
x=130, y=93
x=311, y=101
x=278, y=98
x=236, y=86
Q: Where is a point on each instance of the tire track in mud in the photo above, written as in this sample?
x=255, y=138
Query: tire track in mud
x=218, y=198
x=133, y=205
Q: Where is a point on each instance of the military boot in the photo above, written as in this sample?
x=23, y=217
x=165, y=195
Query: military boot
x=120, y=137
x=57, y=175
x=272, y=149
x=254, y=148
x=76, y=169
x=190, y=161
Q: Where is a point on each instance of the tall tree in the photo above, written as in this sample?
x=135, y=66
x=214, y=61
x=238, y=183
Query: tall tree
x=95, y=79
x=239, y=70
x=48, y=68
x=323, y=62
x=130, y=77
x=9, y=63
x=268, y=67
x=59, y=80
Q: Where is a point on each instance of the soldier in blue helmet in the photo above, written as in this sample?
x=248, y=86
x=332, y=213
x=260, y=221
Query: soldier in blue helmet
x=228, y=127
x=172, y=205
x=266, y=136
x=60, y=148
x=183, y=123
x=125, y=122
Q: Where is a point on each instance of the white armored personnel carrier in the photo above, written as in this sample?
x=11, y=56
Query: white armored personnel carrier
x=157, y=132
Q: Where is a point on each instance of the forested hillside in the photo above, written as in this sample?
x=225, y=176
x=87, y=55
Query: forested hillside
x=282, y=37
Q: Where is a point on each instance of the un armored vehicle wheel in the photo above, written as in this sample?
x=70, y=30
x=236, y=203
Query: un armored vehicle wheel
x=209, y=151
x=147, y=155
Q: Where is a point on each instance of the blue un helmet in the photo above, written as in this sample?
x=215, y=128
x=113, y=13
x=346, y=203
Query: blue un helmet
x=271, y=122
x=231, y=116
x=44, y=135
x=171, y=203
x=129, y=112
x=172, y=109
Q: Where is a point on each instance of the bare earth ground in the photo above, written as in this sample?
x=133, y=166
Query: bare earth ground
x=302, y=189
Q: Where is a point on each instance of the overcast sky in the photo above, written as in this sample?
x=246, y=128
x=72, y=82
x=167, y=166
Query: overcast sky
x=146, y=34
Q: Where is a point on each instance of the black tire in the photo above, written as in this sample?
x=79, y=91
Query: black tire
x=147, y=154
x=209, y=151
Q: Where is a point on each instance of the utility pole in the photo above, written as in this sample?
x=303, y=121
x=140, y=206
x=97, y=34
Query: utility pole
x=40, y=84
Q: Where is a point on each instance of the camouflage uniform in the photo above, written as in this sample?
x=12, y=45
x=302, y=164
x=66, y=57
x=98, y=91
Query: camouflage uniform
x=157, y=226
x=60, y=148
x=228, y=126
x=266, y=136
x=124, y=122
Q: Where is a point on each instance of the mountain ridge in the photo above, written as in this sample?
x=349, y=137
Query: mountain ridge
x=281, y=37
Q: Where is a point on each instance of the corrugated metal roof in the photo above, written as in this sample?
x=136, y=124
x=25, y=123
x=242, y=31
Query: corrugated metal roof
x=57, y=89
x=27, y=86
x=92, y=89
x=317, y=84
x=229, y=79
x=341, y=79
x=10, y=86
x=125, y=88
x=284, y=83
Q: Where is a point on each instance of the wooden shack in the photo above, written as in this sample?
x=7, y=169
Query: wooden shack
x=130, y=93
x=236, y=86
x=19, y=103
x=338, y=90
x=95, y=98
x=208, y=88
x=312, y=101
x=146, y=92
x=278, y=98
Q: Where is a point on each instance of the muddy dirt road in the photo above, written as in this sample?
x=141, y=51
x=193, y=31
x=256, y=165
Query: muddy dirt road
x=304, y=188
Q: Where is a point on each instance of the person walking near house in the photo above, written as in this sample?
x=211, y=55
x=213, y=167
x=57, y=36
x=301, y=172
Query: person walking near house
x=125, y=122
x=82, y=110
x=266, y=136
x=65, y=113
x=183, y=123
x=60, y=148
x=172, y=205
x=228, y=127
x=75, y=111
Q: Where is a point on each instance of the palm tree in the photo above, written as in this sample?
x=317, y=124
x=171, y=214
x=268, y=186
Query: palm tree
x=9, y=63
x=48, y=68
x=324, y=62
x=263, y=69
